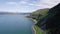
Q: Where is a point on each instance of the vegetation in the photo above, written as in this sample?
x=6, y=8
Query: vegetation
x=53, y=20
x=47, y=20
x=38, y=15
x=50, y=21
x=38, y=30
x=41, y=11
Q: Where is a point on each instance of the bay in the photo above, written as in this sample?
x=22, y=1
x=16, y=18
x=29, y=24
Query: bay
x=15, y=24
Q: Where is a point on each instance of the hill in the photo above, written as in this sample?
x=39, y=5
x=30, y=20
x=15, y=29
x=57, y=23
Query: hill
x=39, y=14
x=48, y=20
x=51, y=21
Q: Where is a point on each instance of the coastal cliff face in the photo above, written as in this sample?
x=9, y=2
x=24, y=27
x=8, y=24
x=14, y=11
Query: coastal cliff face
x=49, y=19
x=53, y=20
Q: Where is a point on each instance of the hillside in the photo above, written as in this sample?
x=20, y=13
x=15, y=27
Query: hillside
x=41, y=11
x=51, y=21
x=39, y=14
x=48, y=19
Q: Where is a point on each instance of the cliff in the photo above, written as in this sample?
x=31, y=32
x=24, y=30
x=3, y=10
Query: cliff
x=48, y=19
x=51, y=21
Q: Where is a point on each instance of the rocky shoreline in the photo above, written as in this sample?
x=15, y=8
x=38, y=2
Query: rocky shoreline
x=34, y=31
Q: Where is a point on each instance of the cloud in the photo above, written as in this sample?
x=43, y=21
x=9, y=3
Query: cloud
x=49, y=2
x=22, y=2
x=45, y=3
x=19, y=2
x=31, y=5
x=11, y=3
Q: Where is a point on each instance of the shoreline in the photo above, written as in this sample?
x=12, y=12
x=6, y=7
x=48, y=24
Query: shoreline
x=34, y=31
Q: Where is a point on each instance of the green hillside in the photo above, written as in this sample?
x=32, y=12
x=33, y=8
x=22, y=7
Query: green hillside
x=38, y=15
x=48, y=20
x=41, y=11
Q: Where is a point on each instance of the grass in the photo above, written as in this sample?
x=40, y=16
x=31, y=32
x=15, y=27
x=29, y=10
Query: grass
x=44, y=13
x=38, y=30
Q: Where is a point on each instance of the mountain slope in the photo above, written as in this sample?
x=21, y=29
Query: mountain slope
x=39, y=14
x=51, y=21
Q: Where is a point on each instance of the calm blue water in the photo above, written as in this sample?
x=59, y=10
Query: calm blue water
x=15, y=24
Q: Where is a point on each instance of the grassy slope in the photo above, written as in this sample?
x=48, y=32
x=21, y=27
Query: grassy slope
x=38, y=30
x=43, y=12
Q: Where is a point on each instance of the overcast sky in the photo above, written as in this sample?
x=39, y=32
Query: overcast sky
x=26, y=5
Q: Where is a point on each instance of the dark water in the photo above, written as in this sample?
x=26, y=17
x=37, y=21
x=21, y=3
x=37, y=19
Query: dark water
x=15, y=24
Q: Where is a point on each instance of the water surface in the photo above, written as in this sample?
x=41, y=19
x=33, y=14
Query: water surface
x=15, y=24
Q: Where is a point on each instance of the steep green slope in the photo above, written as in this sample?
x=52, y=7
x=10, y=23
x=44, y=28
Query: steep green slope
x=38, y=30
x=39, y=14
x=48, y=20
x=52, y=21
x=41, y=11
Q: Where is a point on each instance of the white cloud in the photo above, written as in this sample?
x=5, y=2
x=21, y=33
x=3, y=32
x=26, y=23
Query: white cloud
x=46, y=3
x=22, y=2
x=40, y=4
x=31, y=4
x=49, y=2
x=11, y=3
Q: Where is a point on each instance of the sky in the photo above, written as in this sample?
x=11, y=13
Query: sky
x=26, y=6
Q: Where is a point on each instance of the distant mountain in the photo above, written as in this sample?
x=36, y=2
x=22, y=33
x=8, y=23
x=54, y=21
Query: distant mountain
x=25, y=13
x=6, y=13
x=12, y=13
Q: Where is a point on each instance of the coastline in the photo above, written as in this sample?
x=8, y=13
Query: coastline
x=34, y=31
